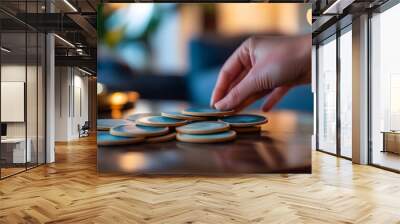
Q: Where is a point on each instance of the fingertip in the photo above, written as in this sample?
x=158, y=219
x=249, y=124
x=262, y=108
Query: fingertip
x=220, y=105
x=212, y=105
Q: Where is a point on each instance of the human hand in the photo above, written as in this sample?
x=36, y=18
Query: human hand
x=262, y=66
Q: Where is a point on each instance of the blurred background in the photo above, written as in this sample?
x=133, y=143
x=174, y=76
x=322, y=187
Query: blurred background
x=154, y=56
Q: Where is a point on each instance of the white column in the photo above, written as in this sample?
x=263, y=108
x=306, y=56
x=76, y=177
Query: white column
x=50, y=92
x=50, y=99
x=360, y=90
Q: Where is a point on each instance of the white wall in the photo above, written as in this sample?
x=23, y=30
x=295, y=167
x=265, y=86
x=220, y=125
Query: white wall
x=71, y=94
x=12, y=73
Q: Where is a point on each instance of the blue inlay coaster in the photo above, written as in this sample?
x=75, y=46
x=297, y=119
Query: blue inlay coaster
x=179, y=115
x=244, y=120
x=160, y=121
x=203, y=127
x=207, y=138
x=206, y=112
x=104, y=138
x=136, y=130
x=136, y=116
x=107, y=124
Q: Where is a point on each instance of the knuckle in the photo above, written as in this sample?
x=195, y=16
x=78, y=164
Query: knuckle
x=262, y=82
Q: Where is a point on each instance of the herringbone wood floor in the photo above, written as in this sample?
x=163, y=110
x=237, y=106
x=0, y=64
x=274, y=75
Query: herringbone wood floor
x=70, y=191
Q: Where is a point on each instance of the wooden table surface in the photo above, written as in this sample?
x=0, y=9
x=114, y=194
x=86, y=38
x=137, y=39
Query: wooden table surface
x=283, y=146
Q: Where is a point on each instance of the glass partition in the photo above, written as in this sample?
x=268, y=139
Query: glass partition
x=22, y=89
x=13, y=94
x=327, y=95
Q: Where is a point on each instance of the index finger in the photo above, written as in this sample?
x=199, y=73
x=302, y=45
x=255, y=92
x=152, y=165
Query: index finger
x=233, y=67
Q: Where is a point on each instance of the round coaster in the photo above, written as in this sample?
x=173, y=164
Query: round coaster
x=164, y=138
x=104, y=138
x=247, y=129
x=203, y=127
x=244, y=120
x=160, y=121
x=134, y=130
x=179, y=115
x=107, y=124
x=207, y=112
x=207, y=138
x=134, y=117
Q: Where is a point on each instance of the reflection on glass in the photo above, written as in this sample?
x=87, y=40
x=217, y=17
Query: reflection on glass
x=327, y=96
x=22, y=91
x=385, y=89
x=15, y=151
x=346, y=94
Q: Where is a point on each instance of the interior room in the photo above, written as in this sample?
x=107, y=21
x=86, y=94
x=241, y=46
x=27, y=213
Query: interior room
x=32, y=94
x=62, y=67
x=334, y=82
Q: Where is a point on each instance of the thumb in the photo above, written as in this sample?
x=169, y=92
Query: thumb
x=240, y=93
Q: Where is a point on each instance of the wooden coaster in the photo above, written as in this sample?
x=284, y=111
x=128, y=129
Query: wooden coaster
x=104, y=138
x=134, y=117
x=244, y=120
x=164, y=138
x=247, y=129
x=134, y=130
x=160, y=121
x=179, y=115
x=207, y=138
x=207, y=112
x=203, y=127
x=107, y=124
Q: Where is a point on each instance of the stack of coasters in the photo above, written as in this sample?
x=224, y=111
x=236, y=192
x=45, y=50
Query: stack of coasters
x=245, y=123
x=195, y=125
x=149, y=127
x=205, y=132
x=149, y=133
